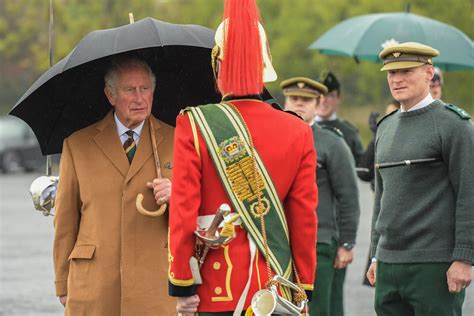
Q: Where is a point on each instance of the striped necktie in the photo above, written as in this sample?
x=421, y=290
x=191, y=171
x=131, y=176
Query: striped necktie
x=129, y=146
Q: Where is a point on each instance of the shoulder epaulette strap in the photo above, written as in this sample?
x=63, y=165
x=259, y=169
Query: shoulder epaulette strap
x=383, y=118
x=462, y=113
x=335, y=130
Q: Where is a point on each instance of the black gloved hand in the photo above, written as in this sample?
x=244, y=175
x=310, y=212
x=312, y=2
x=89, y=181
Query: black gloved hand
x=373, y=121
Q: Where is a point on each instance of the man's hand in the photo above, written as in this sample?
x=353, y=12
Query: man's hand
x=63, y=299
x=343, y=258
x=161, y=190
x=187, y=305
x=459, y=276
x=371, y=273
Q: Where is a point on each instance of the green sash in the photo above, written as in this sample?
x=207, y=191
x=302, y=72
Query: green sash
x=228, y=144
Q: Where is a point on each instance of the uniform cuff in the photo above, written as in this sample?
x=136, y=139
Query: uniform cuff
x=347, y=238
x=463, y=254
x=373, y=251
x=61, y=288
x=180, y=291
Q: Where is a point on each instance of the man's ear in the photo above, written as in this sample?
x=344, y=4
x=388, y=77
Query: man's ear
x=429, y=73
x=110, y=96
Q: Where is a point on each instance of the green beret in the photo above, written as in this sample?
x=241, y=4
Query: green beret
x=303, y=87
x=407, y=55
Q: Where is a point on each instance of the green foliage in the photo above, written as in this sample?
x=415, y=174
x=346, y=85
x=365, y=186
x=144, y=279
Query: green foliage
x=291, y=27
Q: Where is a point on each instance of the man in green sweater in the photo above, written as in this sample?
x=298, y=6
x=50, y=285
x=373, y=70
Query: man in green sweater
x=327, y=116
x=336, y=180
x=423, y=224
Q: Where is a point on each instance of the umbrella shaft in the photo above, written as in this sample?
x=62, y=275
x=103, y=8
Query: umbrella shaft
x=48, y=165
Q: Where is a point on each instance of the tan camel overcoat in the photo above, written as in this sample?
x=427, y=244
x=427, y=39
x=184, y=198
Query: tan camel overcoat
x=108, y=258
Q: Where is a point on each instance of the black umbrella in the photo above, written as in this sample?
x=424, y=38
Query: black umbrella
x=69, y=96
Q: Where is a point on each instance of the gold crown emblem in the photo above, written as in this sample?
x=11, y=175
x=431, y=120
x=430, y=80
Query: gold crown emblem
x=232, y=148
x=300, y=85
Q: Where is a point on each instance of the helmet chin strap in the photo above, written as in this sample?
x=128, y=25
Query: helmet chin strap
x=215, y=61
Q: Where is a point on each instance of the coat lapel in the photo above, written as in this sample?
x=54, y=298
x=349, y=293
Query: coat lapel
x=145, y=149
x=109, y=143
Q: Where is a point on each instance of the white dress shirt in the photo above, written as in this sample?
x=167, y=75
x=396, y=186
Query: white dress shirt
x=331, y=118
x=122, y=131
x=425, y=102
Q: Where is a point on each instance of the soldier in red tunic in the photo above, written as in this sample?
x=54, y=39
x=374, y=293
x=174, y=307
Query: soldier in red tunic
x=255, y=158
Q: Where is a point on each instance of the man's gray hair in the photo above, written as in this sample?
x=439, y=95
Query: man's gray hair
x=122, y=63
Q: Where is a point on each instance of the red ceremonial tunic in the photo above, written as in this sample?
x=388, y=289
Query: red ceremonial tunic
x=285, y=144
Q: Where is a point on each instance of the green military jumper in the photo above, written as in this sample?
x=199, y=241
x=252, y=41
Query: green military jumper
x=423, y=213
x=336, y=179
x=351, y=136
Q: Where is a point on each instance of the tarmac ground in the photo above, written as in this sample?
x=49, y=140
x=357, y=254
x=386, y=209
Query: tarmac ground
x=26, y=264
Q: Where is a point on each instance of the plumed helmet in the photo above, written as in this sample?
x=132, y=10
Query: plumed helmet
x=242, y=49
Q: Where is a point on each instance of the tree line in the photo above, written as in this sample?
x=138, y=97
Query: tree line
x=291, y=27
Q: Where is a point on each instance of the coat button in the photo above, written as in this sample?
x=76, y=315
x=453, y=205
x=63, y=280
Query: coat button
x=216, y=265
x=218, y=290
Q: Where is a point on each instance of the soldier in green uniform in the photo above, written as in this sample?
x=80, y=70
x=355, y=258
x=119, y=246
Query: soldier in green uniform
x=423, y=224
x=336, y=180
x=327, y=116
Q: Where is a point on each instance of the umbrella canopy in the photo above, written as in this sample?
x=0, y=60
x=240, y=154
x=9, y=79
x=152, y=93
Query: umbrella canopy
x=364, y=37
x=70, y=95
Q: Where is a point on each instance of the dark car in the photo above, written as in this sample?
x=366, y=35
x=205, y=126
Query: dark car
x=19, y=149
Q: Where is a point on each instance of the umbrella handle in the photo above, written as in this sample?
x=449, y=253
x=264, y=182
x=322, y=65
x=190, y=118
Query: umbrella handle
x=139, y=204
x=139, y=199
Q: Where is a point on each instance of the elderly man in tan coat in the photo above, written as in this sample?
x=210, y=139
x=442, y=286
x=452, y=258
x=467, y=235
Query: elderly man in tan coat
x=108, y=258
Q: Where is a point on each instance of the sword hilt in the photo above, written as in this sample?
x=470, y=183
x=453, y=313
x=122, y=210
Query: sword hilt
x=222, y=211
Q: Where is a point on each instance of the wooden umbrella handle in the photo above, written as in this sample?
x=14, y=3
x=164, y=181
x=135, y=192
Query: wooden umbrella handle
x=139, y=201
x=158, y=212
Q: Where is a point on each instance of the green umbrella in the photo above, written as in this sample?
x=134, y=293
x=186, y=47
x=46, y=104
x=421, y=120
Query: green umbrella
x=364, y=37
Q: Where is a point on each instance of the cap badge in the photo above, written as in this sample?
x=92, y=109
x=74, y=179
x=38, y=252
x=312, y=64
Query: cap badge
x=396, y=55
x=300, y=85
x=389, y=43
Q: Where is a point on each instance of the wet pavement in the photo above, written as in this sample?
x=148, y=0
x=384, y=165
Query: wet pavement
x=26, y=264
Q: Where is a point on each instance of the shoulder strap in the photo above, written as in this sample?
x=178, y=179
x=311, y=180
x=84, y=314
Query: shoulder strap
x=460, y=112
x=335, y=130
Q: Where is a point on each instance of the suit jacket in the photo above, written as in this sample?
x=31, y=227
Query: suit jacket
x=285, y=144
x=108, y=258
